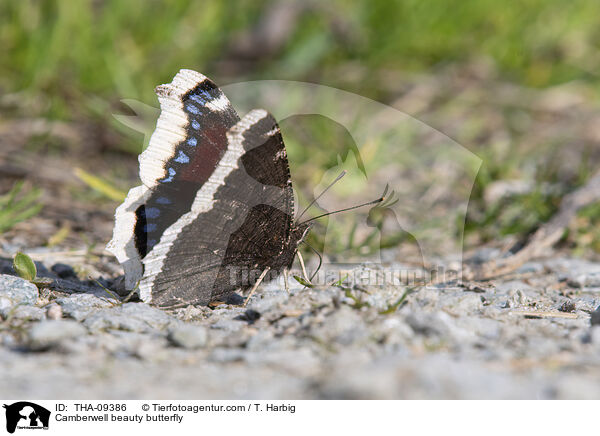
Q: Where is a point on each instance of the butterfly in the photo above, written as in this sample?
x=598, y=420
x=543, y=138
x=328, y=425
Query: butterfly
x=215, y=211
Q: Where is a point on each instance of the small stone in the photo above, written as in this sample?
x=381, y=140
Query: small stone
x=191, y=313
x=63, y=271
x=228, y=325
x=134, y=317
x=576, y=281
x=585, y=280
x=79, y=306
x=27, y=313
x=300, y=361
x=267, y=301
x=235, y=299
x=469, y=303
x=5, y=304
x=442, y=326
x=344, y=326
x=567, y=306
x=47, y=334
x=262, y=340
x=18, y=290
x=188, y=336
x=593, y=280
x=593, y=336
x=226, y=355
x=54, y=311
x=531, y=267
x=250, y=316
x=595, y=319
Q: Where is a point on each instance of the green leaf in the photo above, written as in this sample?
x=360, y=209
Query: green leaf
x=304, y=282
x=24, y=266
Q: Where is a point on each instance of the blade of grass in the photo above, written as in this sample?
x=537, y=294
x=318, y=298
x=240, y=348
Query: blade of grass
x=99, y=185
x=303, y=282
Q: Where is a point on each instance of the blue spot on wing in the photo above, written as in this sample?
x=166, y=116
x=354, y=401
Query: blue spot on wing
x=182, y=157
x=152, y=212
x=172, y=173
x=202, y=97
x=195, y=125
x=197, y=99
x=193, y=109
x=205, y=94
x=150, y=227
x=163, y=200
x=151, y=243
x=192, y=141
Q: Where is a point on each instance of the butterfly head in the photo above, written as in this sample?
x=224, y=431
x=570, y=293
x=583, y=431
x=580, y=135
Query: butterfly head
x=300, y=232
x=382, y=210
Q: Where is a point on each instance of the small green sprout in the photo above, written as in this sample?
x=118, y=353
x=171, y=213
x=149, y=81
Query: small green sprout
x=25, y=267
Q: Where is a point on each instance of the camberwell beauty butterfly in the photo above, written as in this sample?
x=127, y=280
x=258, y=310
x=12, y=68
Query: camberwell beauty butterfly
x=216, y=204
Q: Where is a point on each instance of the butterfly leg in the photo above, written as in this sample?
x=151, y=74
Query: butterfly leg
x=260, y=279
x=301, y=259
x=285, y=281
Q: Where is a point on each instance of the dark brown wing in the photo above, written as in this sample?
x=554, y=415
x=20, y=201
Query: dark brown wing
x=241, y=219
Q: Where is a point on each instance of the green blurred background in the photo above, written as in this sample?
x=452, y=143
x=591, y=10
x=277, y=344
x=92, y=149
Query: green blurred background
x=516, y=82
x=60, y=53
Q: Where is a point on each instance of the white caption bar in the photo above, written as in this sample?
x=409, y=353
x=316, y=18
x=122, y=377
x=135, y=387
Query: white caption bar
x=89, y=417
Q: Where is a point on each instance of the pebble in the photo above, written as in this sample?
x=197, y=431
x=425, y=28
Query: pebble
x=344, y=326
x=589, y=280
x=531, y=267
x=443, y=342
x=188, y=336
x=595, y=319
x=6, y=304
x=592, y=336
x=250, y=316
x=567, y=306
x=135, y=317
x=63, y=271
x=54, y=311
x=15, y=290
x=441, y=326
x=26, y=313
x=47, y=334
x=268, y=301
x=228, y=325
x=79, y=306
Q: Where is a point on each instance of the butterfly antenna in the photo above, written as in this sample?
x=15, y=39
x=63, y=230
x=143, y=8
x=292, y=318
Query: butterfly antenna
x=342, y=174
x=379, y=200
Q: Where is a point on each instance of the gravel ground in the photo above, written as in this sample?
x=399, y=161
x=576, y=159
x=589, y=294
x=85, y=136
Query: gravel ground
x=526, y=336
